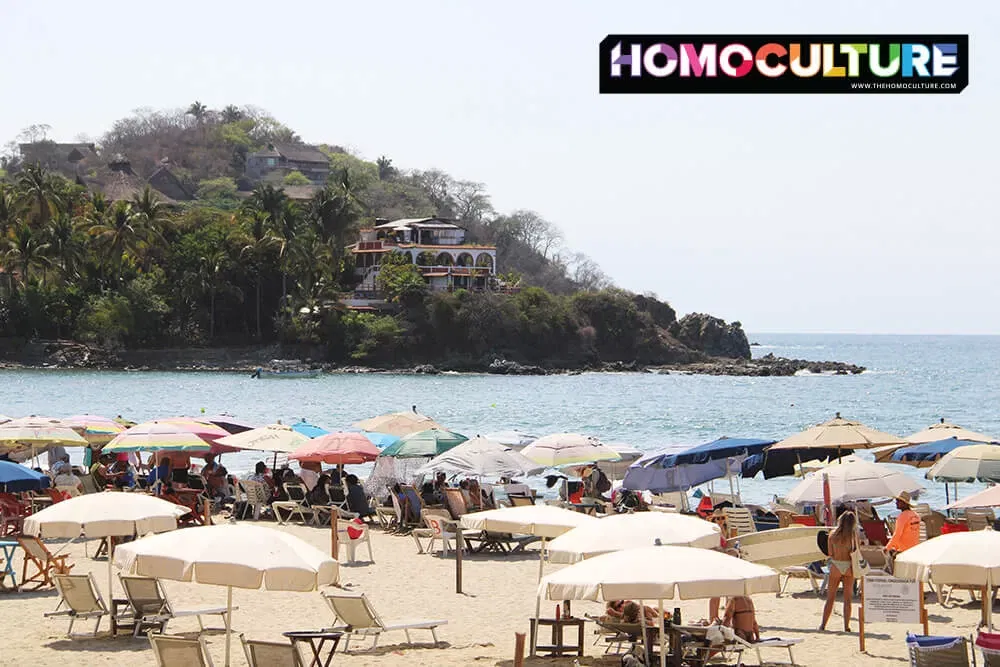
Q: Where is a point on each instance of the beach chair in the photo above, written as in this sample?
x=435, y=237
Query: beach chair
x=401, y=525
x=773, y=642
x=801, y=572
x=296, y=505
x=89, y=485
x=441, y=526
x=359, y=618
x=78, y=592
x=617, y=636
x=253, y=495
x=678, y=499
x=413, y=506
x=979, y=519
x=151, y=608
x=351, y=544
x=875, y=532
x=739, y=521
x=930, y=651
x=427, y=532
x=12, y=514
x=171, y=651
x=271, y=654
x=521, y=501
x=454, y=500
x=45, y=564
x=989, y=644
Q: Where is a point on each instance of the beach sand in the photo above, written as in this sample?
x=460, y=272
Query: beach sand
x=498, y=600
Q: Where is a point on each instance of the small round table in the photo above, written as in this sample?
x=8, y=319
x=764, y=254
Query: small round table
x=316, y=639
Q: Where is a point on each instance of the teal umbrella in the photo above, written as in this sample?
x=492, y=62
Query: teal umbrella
x=427, y=443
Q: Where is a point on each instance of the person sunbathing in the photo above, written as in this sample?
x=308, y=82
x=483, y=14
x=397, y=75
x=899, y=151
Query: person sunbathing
x=627, y=611
x=741, y=616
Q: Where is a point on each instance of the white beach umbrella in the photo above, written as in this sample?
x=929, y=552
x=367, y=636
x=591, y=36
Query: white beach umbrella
x=659, y=573
x=989, y=497
x=270, y=438
x=234, y=556
x=631, y=531
x=481, y=457
x=543, y=521
x=560, y=449
x=860, y=480
x=961, y=559
x=966, y=464
x=106, y=514
x=944, y=430
x=398, y=423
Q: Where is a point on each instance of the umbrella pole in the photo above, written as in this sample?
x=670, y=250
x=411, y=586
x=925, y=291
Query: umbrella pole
x=541, y=560
x=229, y=620
x=534, y=628
x=111, y=553
x=645, y=635
x=663, y=639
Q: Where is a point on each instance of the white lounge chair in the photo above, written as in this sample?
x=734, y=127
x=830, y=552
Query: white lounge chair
x=83, y=601
x=171, y=651
x=296, y=505
x=151, y=608
x=358, y=617
x=774, y=642
x=271, y=654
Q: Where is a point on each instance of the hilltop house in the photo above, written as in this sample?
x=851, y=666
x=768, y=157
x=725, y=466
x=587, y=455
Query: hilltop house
x=435, y=245
x=70, y=160
x=278, y=160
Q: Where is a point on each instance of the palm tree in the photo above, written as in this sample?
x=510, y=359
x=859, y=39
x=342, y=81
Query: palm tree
x=26, y=249
x=39, y=194
x=65, y=245
x=152, y=217
x=231, y=114
x=386, y=172
x=256, y=244
x=8, y=211
x=120, y=231
x=211, y=278
x=198, y=110
x=333, y=212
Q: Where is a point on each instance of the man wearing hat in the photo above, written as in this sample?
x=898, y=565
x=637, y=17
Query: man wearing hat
x=907, y=533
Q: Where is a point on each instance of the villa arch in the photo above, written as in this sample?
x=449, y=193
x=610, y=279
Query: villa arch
x=464, y=259
x=485, y=260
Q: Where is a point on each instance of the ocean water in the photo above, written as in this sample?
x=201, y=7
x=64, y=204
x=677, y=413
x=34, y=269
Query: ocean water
x=912, y=382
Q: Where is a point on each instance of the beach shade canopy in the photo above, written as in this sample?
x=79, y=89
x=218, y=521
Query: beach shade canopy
x=105, y=514
x=94, y=429
x=806, y=467
x=944, y=430
x=308, y=430
x=632, y=531
x=861, y=480
x=989, y=497
x=962, y=559
x=512, y=438
x=432, y=442
x=381, y=440
x=659, y=573
x=38, y=433
x=229, y=423
x=163, y=436
x=337, y=449
x=627, y=455
x=399, y=423
x=231, y=555
x=838, y=433
x=562, y=449
x=970, y=463
x=481, y=457
x=680, y=471
x=270, y=438
x=539, y=520
x=16, y=478
x=924, y=455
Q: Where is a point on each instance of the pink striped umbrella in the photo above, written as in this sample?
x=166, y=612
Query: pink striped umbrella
x=337, y=449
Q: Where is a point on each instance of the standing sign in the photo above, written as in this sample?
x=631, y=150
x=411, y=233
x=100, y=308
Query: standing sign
x=891, y=600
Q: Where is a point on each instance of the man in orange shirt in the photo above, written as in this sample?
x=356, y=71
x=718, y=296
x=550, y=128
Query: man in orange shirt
x=907, y=532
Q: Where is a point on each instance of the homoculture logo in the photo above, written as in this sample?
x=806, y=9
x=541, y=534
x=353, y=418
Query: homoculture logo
x=784, y=64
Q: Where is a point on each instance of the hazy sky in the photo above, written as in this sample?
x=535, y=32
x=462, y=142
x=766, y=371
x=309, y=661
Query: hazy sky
x=790, y=213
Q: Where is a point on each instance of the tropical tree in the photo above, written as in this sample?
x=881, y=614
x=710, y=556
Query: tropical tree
x=198, y=110
x=8, y=211
x=386, y=172
x=38, y=191
x=231, y=114
x=211, y=279
x=118, y=232
x=151, y=217
x=67, y=249
x=257, y=243
x=26, y=248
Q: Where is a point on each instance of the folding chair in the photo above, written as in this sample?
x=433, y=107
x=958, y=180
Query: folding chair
x=928, y=651
x=37, y=555
x=360, y=618
x=151, y=608
x=83, y=601
x=171, y=651
x=297, y=505
x=271, y=654
x=989, y=644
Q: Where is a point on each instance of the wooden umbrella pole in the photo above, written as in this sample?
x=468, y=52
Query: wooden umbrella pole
x=334, y=545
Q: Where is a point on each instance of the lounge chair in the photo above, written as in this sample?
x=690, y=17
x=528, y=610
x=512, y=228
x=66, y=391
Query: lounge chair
x=771, y=642
x=801, y=572
x=38, y=556
x=989, y=644
x=739, y=521
x=271, y=654
x=358, y=617
x=173, y=651
x=979, y=519
x=928, y=651
x=151, y=608
x=296, y=505
x=83, y=601
x=345, y=540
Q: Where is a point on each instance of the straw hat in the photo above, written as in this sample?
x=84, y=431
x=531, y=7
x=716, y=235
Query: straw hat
x=904, y=497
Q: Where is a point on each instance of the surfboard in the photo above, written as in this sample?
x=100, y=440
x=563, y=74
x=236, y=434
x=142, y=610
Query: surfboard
x=782, y=547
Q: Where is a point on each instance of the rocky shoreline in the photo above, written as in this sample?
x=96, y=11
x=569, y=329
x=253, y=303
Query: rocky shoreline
x=70, y=355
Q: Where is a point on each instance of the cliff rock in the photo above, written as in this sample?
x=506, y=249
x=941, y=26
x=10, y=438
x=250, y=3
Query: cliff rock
x=712, y=336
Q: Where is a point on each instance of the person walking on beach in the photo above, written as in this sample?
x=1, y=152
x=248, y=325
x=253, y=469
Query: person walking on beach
x=843, y=540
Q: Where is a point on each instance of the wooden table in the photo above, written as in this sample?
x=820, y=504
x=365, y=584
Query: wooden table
x=558, y=646
x=311, y=637
x=7, y=549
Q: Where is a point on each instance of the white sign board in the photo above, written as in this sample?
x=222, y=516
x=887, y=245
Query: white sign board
x=890, y=600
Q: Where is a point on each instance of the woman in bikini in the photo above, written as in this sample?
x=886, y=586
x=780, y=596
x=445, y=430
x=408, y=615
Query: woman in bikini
x=842, y=541
x=741, y=616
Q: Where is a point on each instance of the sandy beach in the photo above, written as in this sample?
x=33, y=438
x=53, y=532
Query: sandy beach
x=498, y=599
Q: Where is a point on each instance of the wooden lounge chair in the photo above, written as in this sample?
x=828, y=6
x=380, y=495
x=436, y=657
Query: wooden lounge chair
x=45, y=564
x=296, y=505
x=83, y=601
x=150, y=607
x=171, y=651
x=358, y=617
x=926, y=651
x=271, y=654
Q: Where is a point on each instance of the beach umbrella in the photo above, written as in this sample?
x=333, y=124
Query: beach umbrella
x=680, y=471
x=159, y=436
x=381, y=440
x=861, y=480
x=399, y=423
x=970, y=463
x=958, y=559
x=308, y=430
x=228, y=423
x=944, y=430
x=16, y=478
x=107, y=514
x=234, y=556
x=989, y=497
x=337, y=449
x=627, y=456
x=631, y=531
x=481, y=457
x=658, y=573
x=921, y=456
x=28, y=436
x=207, y=431
x=270, y=438
x=95, y=430
x=806, y=467
x=515, y=439
x=432, y=442
x=560, y=449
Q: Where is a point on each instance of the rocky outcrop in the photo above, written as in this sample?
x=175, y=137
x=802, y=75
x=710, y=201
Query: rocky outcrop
x=766, y=366
x=504, y=367
x=712, y=336
x=426, y=369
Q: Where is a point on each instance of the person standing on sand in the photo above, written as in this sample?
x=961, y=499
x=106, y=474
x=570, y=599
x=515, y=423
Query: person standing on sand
x=843, y=540
x=907, y=532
